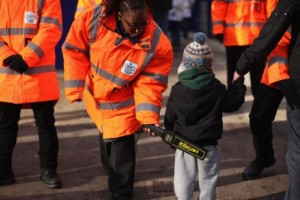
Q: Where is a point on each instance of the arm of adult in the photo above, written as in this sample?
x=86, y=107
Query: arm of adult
x=48, y=33
x=152, y=82
x=76, y=58
x=269, y=36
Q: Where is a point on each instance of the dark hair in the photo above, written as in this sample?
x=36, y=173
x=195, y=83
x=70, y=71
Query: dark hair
x=125, y=5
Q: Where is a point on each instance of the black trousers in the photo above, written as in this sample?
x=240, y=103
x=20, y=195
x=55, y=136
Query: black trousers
x=118, y=160
x=232, y=55
x=263, y=112
x=44, y=120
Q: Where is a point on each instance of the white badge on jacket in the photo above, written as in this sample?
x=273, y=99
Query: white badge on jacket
x=30, y=18
x=129, y=68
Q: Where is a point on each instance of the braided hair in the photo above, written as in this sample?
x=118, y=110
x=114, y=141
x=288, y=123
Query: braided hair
x=113, y=6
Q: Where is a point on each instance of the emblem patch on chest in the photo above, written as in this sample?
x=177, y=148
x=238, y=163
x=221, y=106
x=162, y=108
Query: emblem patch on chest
x=129, y=68
x=30, y=18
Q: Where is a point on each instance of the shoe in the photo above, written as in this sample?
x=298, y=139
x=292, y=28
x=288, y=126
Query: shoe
x=118, y=196
x=51, y=179
x=254, y=170
x=8, y=180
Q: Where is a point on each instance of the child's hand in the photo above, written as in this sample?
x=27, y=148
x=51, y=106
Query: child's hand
x=236, y=76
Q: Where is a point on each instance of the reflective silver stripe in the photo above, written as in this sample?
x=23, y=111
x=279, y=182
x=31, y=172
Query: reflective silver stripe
x=7, y=70
x=2, y=44
x=159, y=77
x=51, y=20
x=109, y=76
x=147, y=107
x=244, y=24
x=72, y=47
x=94, y=22
x=36, y=49
x=40, y=69
x=154, y=42
x=277, y=59
x=218, y=23
x=29, y=71
x=117, y=105
x=74, y=83
x=17, y=31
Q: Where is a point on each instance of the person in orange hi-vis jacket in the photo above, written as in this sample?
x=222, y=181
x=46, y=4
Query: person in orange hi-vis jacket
x=236, y=24
x=29, y=32
x=266, y=102
x=82, y=5
x=118, y=59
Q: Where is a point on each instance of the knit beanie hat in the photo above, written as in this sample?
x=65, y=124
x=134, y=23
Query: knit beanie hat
x=197, y=54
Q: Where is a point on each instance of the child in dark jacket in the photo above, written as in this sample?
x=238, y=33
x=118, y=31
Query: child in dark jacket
x=194, y=111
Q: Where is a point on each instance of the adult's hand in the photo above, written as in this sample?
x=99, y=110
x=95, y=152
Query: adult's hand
x=147, y=130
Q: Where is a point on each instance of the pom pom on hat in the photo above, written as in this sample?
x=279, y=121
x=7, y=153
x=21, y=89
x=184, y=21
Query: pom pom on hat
x=200, y=38
x=197, y=54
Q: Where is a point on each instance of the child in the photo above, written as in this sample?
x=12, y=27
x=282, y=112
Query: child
x=194, y=110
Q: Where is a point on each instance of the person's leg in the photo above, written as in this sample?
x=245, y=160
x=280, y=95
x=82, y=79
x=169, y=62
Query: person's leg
x=48, y=149
x=263, y=112
x=118, y=159
x=9, y=118
x=293, y=154
x=175, y=29
x=208, y=171
x=255, y=76
x=162, y=20
x=233, y=53
x=185, y=170
x=185, y=27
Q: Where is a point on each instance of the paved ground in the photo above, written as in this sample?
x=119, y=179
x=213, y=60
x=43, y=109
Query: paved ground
x=83, y=176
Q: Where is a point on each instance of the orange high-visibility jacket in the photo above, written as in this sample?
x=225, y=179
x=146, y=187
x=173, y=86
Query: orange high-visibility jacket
x=277, y=63
x=30, y=28
x=240, y=21
x=124, y=81
x=82, y=5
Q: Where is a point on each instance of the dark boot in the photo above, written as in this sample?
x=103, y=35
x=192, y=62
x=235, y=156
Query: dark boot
x=254, y=170
x=51, y=178
x=262, y=141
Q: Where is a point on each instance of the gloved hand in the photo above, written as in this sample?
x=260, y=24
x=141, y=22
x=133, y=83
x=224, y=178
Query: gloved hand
x=8, y=60
x=219, y=37
x=290, y=92
x=16, y=63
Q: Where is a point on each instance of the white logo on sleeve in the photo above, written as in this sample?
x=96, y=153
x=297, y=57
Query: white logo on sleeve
x=129, y=68
x=30, y=18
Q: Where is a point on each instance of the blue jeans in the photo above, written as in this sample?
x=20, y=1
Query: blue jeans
x=293, y=154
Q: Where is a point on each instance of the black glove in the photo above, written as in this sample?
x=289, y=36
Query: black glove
x=288, y=89
x=219, y=37
x=8, y=60
x=243, y=65
x=16, y=63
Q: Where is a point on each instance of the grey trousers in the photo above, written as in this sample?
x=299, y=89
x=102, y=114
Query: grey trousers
x=186, y=169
